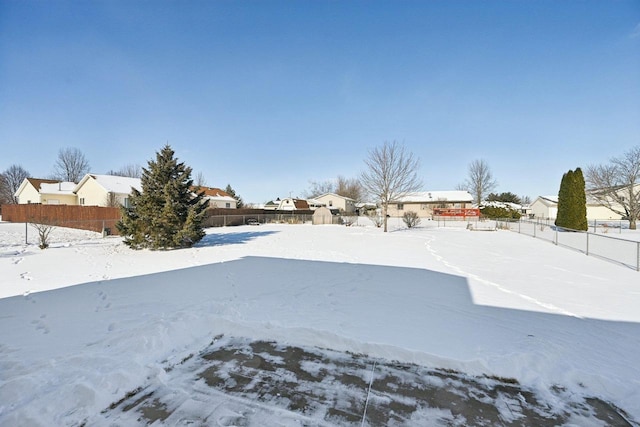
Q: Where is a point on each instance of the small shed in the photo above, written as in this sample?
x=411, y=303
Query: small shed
x=322, y=216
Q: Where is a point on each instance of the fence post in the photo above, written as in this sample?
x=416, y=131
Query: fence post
x=556, y=235
x=587, y=243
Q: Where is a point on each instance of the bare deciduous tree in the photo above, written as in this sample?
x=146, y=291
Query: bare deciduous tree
x=44, y=230
x=200, y=180
x=391, y=174
x=616, y=185
x=130, y=170
x=346, y=187
x=349, y=187
x=10, y=181
x=480, y=181
x=318, y=188
x=71, y=165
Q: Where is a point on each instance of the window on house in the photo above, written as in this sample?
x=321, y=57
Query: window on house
x=400, y=206
x=228, y=205
x=330, y=202
x=424, y=206
x=125, y=202
x=82, y=200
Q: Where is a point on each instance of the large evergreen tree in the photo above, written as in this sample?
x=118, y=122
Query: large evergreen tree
x=166, y=214
x=572, y=202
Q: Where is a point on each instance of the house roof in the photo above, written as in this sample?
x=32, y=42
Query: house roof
x=60, y=188
x=112, y=183
x=335, y=195
x=212, y=192
x=300, y=204
x=37, y=182
x=436, y=196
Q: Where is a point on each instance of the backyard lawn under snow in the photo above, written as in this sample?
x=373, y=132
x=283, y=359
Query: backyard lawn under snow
x=88, y=320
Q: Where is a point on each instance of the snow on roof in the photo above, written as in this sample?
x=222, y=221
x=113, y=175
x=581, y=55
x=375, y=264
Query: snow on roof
x=57, y=188
x=437, y=196
x=113, y=183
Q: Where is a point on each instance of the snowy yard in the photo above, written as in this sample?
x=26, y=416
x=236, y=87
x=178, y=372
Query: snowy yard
x=87, y=321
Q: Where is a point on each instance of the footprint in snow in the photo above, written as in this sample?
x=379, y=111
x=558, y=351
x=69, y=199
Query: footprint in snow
x=25, y=276
x=17, y=261
x=41, y=326
x=104, y=302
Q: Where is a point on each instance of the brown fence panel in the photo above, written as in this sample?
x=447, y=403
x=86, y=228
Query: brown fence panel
x=93, y=218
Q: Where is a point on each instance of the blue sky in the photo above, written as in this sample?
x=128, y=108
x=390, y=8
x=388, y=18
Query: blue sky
x=268, y=95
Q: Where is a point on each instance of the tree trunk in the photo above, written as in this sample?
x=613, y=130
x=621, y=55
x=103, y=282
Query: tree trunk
x=384, y=213
x=632, y=224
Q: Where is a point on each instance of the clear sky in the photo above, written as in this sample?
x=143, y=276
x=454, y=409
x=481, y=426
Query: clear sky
x=268, y=95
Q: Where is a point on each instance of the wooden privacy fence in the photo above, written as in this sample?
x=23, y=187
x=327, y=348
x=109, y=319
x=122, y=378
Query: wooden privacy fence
x=93, y=218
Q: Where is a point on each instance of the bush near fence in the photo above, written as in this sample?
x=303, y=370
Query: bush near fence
x=92, y=218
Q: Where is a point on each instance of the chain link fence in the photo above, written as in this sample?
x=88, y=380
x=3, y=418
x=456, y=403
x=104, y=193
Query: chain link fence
x=601, y=243
x=267, y=218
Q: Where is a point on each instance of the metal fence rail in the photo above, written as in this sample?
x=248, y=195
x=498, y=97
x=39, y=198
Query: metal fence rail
x=615, y=249
x=266, y=218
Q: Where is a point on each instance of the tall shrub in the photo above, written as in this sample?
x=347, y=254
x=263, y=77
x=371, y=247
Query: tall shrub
x=166, y=214
x=572, y=201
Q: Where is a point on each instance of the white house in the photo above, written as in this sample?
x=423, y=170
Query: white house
x=546, y=207
x=45, y=191
x=105, y=190
x=59, y=193
x=218, y=198
x=423, y=203
x=336, y=201
x=293, y=204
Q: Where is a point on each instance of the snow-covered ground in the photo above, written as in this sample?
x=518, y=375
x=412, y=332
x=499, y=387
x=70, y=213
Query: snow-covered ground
x=88, y=320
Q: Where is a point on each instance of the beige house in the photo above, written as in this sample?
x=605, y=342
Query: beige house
x=59, y=193
x=105, y=190
x=218, y=198
x=45, y=191
x=424, y=203
x=335, y=201
x=546, y=207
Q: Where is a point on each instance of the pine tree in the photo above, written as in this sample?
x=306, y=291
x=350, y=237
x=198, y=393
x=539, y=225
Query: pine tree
x=579, y=219
x=232, y=192
x=166, y=214
x=572, y=202
x=564, y=201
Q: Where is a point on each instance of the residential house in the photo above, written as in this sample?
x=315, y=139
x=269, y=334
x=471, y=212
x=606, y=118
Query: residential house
x=337, y=202
x=546, y=207
x=287, y=204
x=293, y=204
x=105, y=190
x=59, y=193
x=272, y=205
x=426, y=203
x=55, y=192
x=218, y=198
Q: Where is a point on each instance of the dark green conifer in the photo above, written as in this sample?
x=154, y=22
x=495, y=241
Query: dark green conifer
x=579, y=219
x=166, y=214
x=572, y=202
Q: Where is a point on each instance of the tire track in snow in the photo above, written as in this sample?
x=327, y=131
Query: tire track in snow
x=492, y=284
